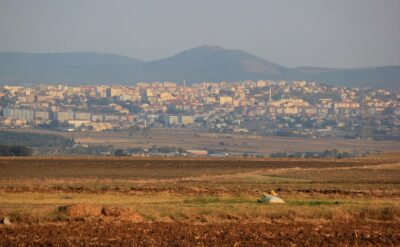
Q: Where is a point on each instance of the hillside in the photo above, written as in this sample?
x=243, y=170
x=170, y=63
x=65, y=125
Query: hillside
x=212, y=63
x=72, y=68
x=204, y=63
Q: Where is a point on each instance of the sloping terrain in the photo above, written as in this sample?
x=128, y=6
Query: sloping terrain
x=70, y=68
x=204, y=63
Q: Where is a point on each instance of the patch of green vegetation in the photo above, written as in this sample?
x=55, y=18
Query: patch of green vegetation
x=34, y=140
x=283, y=178
x=203, y=200
x=312, y=203
x=214, y=199
x=205, y=211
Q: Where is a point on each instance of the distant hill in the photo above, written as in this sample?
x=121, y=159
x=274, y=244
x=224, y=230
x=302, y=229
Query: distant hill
x=205, y=63
x=72, y=68
x=384, y=77
x=212, y=63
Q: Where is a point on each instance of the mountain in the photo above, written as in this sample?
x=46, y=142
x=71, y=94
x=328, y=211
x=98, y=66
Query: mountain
x=204, y=63
x=384, y=77
x=212, y=63
x=76, y=67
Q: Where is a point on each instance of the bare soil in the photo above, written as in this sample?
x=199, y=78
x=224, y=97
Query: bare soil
x=182, y=234
x=199, y=202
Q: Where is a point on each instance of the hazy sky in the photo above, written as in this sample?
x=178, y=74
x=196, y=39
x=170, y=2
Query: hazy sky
x=336, y=33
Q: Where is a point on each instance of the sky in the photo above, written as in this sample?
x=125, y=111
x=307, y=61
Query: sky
x=337, y=33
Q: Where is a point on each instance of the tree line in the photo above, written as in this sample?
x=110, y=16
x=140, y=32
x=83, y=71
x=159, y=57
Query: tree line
x=15, y=151
x=13, y=138
x=14, y=143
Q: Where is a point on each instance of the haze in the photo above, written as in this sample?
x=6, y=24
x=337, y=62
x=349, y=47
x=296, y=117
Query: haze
x=336, y=33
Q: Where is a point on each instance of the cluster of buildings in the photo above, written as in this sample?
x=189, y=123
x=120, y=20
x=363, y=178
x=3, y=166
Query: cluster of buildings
x=297, y=108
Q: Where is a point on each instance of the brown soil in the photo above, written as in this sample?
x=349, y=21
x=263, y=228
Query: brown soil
x=130, y=168
x=223, y=234
x=92, y=225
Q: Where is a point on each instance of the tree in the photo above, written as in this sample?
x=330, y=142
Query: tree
x=119, y=152
x=153, y=149
x=181, y=150
x=21, y=151
x=15, y=151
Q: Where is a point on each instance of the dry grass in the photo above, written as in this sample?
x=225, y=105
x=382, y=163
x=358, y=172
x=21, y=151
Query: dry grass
x=202, y=190
x=42, y=206
x=82, y=210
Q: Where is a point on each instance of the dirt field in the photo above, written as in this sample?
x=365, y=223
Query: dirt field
x=232, y=143
x=200, y=202
x=181, y=234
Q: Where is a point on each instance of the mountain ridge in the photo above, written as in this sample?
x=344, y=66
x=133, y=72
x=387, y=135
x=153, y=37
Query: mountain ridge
x=210, y=63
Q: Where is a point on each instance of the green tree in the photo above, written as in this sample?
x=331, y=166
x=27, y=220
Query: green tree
x=119, y=152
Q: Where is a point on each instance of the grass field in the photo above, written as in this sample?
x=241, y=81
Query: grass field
x=185, y=197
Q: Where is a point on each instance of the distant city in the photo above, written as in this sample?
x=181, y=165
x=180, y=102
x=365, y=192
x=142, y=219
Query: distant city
x=264, y=107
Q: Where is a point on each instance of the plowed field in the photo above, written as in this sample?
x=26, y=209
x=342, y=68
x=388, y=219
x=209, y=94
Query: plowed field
x=180, y=234
x=200, y=202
